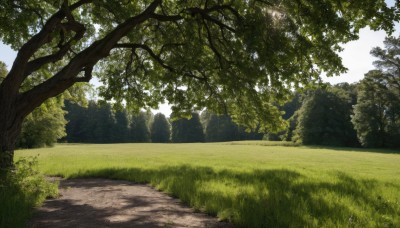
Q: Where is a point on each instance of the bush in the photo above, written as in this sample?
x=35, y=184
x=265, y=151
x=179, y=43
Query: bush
x=20, y=191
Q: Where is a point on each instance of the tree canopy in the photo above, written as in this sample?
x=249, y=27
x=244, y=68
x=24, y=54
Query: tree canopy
x=44, y=126
x=377, y=113
x=325, y=117
x=228, y=56
x=160, y=129
x=187, y=130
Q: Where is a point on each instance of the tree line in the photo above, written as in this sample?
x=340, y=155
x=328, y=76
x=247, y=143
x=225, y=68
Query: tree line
x=98, y=123
x=366, y=113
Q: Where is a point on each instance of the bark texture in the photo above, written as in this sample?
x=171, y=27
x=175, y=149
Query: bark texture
x=10, y=127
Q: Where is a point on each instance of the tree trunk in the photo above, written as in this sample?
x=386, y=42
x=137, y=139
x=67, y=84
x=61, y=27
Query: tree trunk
x=7, y=144
x=10, y=127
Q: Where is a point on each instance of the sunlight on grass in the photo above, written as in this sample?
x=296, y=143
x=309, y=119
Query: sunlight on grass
x=252, y=184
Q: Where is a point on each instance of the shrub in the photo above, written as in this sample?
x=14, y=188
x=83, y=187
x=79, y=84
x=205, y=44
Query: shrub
x=21, y=190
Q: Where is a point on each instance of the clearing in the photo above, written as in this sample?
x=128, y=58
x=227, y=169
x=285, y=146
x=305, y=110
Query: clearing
x=250, y=184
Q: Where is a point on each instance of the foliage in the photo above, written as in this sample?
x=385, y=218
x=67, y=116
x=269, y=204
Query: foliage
x=160, y=129
x=325, y=118
x=290, y=107
x=220, y=128
x=99, y=123
x=252, y=184
x=121, y=127
x=377, y=113
x=78, y=119
x=187, y=130
x=245, y=134
x=21, y=190
x=44, y=126
x=289, y=114
x=3, y=71
x=140, y=130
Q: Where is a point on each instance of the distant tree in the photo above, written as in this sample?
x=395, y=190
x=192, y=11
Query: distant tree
x=102, y=122
x=160, y=129
x=77, y=118
x=187, y=130
x=92, y=124
x=325, y=118
x=223, y=128
x=139, y=128
x=220, y=128
x=289, y=109
x=245, y=134
x=377, y=113
x=291, y=128
x=121, y=127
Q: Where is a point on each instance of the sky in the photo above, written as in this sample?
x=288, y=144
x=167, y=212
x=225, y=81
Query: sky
x=356, y=57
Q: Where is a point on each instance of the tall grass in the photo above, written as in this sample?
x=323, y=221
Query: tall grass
x=20, y=191
x=248, y=184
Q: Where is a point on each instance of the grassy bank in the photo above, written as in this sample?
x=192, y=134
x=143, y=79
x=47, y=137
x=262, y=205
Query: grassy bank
x=20, y=191
x=251, y=184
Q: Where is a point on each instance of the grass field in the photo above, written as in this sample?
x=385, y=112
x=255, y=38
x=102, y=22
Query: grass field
x=252, y=184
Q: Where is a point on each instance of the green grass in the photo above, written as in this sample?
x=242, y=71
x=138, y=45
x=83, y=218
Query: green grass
x=252, y=184
x=20, y=191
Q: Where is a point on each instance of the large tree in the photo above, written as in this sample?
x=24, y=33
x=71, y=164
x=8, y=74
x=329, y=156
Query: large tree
x=220, y=128
x=139, y=127
x=121, y=127
x=236, y=56
x=325, y=117
x=160, y=129
x=187, y=130
x=377, y=113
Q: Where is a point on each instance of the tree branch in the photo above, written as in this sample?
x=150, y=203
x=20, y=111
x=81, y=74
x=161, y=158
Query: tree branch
x=148, y=50
x=18, y=73
x=36, y=64
x=83, y=61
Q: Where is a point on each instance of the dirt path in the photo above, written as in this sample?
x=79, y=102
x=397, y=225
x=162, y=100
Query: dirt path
x=109, y=203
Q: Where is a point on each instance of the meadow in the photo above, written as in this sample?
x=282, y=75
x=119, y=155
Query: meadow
x=251, y=184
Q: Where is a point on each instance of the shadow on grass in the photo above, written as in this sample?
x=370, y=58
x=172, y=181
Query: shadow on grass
x=292, y=144
x=269, y=198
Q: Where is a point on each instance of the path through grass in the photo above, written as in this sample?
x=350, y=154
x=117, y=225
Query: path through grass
x=251, y=184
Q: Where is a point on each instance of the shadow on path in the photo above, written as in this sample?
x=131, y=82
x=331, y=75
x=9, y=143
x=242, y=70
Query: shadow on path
x=110, y=203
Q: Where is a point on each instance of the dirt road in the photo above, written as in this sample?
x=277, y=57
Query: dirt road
x=110, y=203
